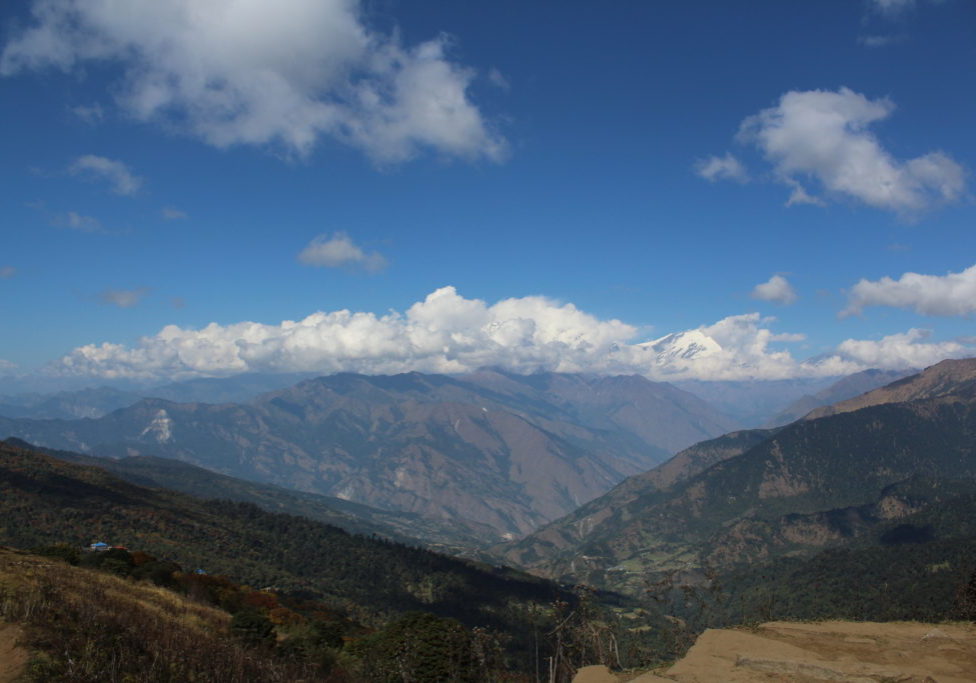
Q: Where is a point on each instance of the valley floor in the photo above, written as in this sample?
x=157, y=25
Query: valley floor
x=862, y=652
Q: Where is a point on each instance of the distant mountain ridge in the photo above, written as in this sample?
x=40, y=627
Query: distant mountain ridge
x=941, y=379
x=98, y=401
x=845, y=388
x=66, y=405
x=498, y=452
x=753, y=403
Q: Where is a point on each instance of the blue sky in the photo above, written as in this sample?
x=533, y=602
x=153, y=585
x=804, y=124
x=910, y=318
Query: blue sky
x=585, y=176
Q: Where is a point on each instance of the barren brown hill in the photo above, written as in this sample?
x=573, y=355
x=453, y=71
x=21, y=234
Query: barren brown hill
x=935, y=381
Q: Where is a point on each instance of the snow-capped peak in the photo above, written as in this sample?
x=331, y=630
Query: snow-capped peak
x=682, y=346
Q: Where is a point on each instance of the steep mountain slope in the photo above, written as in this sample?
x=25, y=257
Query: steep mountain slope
x=809, y=485
x=46, y=501
x=499, y=453
x=567, y=532
x=841, y=390
x=938, y=380
x=442, y=535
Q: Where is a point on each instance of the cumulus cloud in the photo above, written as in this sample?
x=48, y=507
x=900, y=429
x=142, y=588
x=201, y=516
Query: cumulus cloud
x=909, y=349
x=721, y=168
x=339, y=250
x=447, y=333
x=116, y=173
x=823, y=136
x=123, y=298
x=7, y=272
x=77, y=221
x=736, y=347
x=950, y=294
x=777, y=289
x=172, y=214
x=284, y=73
x=443, y=333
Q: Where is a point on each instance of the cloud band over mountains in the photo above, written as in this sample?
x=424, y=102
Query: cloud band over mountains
x=447, y=333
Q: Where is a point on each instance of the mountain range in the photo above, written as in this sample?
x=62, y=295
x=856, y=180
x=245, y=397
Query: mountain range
x=99, y=401
x=750, y=497
x=496, y=452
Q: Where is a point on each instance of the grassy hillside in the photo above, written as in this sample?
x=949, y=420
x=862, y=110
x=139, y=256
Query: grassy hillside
x=45, y=501
x=122, y=617
x=85, y=625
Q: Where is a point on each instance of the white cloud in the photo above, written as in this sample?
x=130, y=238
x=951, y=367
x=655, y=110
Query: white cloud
x=339, y=250
x=736, y=347
x=880, y=40
x=77, y=221
x=122, y=180
x=898, y=351
x=123, y=298
x=498, y=79
x=446, y=333
x=90, y=114
x=777, y=289
x=823, y=136
x=892, y=7
x=283, y=73
x=173, y=214
x=949, y=294
x=443, y=333
x=7, y=366
x=722, y=168
x=7, y=272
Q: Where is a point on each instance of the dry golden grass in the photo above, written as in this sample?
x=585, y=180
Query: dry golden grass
x=86, y=625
